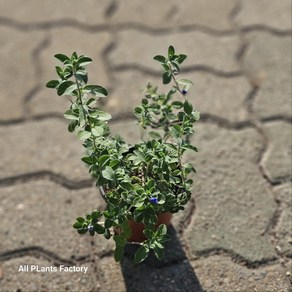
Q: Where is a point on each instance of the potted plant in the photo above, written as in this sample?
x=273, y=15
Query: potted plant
x=144, y=183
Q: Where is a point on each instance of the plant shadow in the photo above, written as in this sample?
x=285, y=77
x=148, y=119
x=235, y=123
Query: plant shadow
x=173, y=273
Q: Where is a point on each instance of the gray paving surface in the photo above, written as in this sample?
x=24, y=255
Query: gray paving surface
x=236, y=232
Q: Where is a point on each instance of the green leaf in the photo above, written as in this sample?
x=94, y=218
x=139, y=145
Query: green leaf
x=159, y=252
x=160, y=59
x=140, y=155
x=90, y=102
x=191, y=147
x=83, y=61
x=72, y=126
x=80, y=219
x=188, y=108
x=78, y=225
x=98, y=228
x=83, y=135
x=108, y=173
x=82, y=231
x=119, y=252
x=126, y=186
x=181, y=58
x=108, y=223
x=70, y=115
x=87, y=160
x=141, y=254
x=60, y=72
x=103, y=116
x=175, y=131
x=185, y=82
x=114, y=163
x=74, y=56
x=97, y=131
x=177, y=104
x=96, y=90
x=166, y=77
x=155, y=135
x=63, y=86
x=103, y=160
x=62, y=57
x=82, y=76
x=53, y=84
x=161, y=230
x=171, y=51
x=138, y=110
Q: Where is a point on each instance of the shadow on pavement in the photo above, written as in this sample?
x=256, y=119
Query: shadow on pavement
x=173, y=273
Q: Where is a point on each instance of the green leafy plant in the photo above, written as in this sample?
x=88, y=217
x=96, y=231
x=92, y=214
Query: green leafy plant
x=139, y=181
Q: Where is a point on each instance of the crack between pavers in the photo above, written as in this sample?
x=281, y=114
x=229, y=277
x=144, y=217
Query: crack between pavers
x=46, y=174
x=69, y=22
x=254, y=27
x=187, y=69
x=73, y=23
x=38, y=252
x=236, y=258
x=111, y=9
x=122, y=116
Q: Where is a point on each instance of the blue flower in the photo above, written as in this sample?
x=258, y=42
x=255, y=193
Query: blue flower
x=90, y=228
x=153, y=200
x=184, y=92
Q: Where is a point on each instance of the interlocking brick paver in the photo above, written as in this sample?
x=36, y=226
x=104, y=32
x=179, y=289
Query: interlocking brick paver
x=202, y=49
x=283, y=230
x=277, y=159
x=53, y=10
x=229, y=192
x=43, y=213
x=49, y=281
x=49, y=148
x=269, y=67
x=220, y=96
x=129, y=130
x=128, y=90
x=18, y=76
x=219, y=273
x=275, y=14
x=159, y=14
x=110, y=275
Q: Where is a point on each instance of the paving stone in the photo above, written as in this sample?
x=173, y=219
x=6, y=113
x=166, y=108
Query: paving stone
x=230, y=194
x=219, y=96
x=283, y=229
x=90, y=44
x=219, y=273
x=45, y=281
x=50, y=147
x=42, y=214
x=110, y=275
x=275, y=14
x=277, y=159
x=158, y=14
x=128, y=91
x=53, y=10
x=16, y=54
x=201, y=48
x=212, y=14
x=269, y=67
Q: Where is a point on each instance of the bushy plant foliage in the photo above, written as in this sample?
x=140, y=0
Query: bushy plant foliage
x=142, y=180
